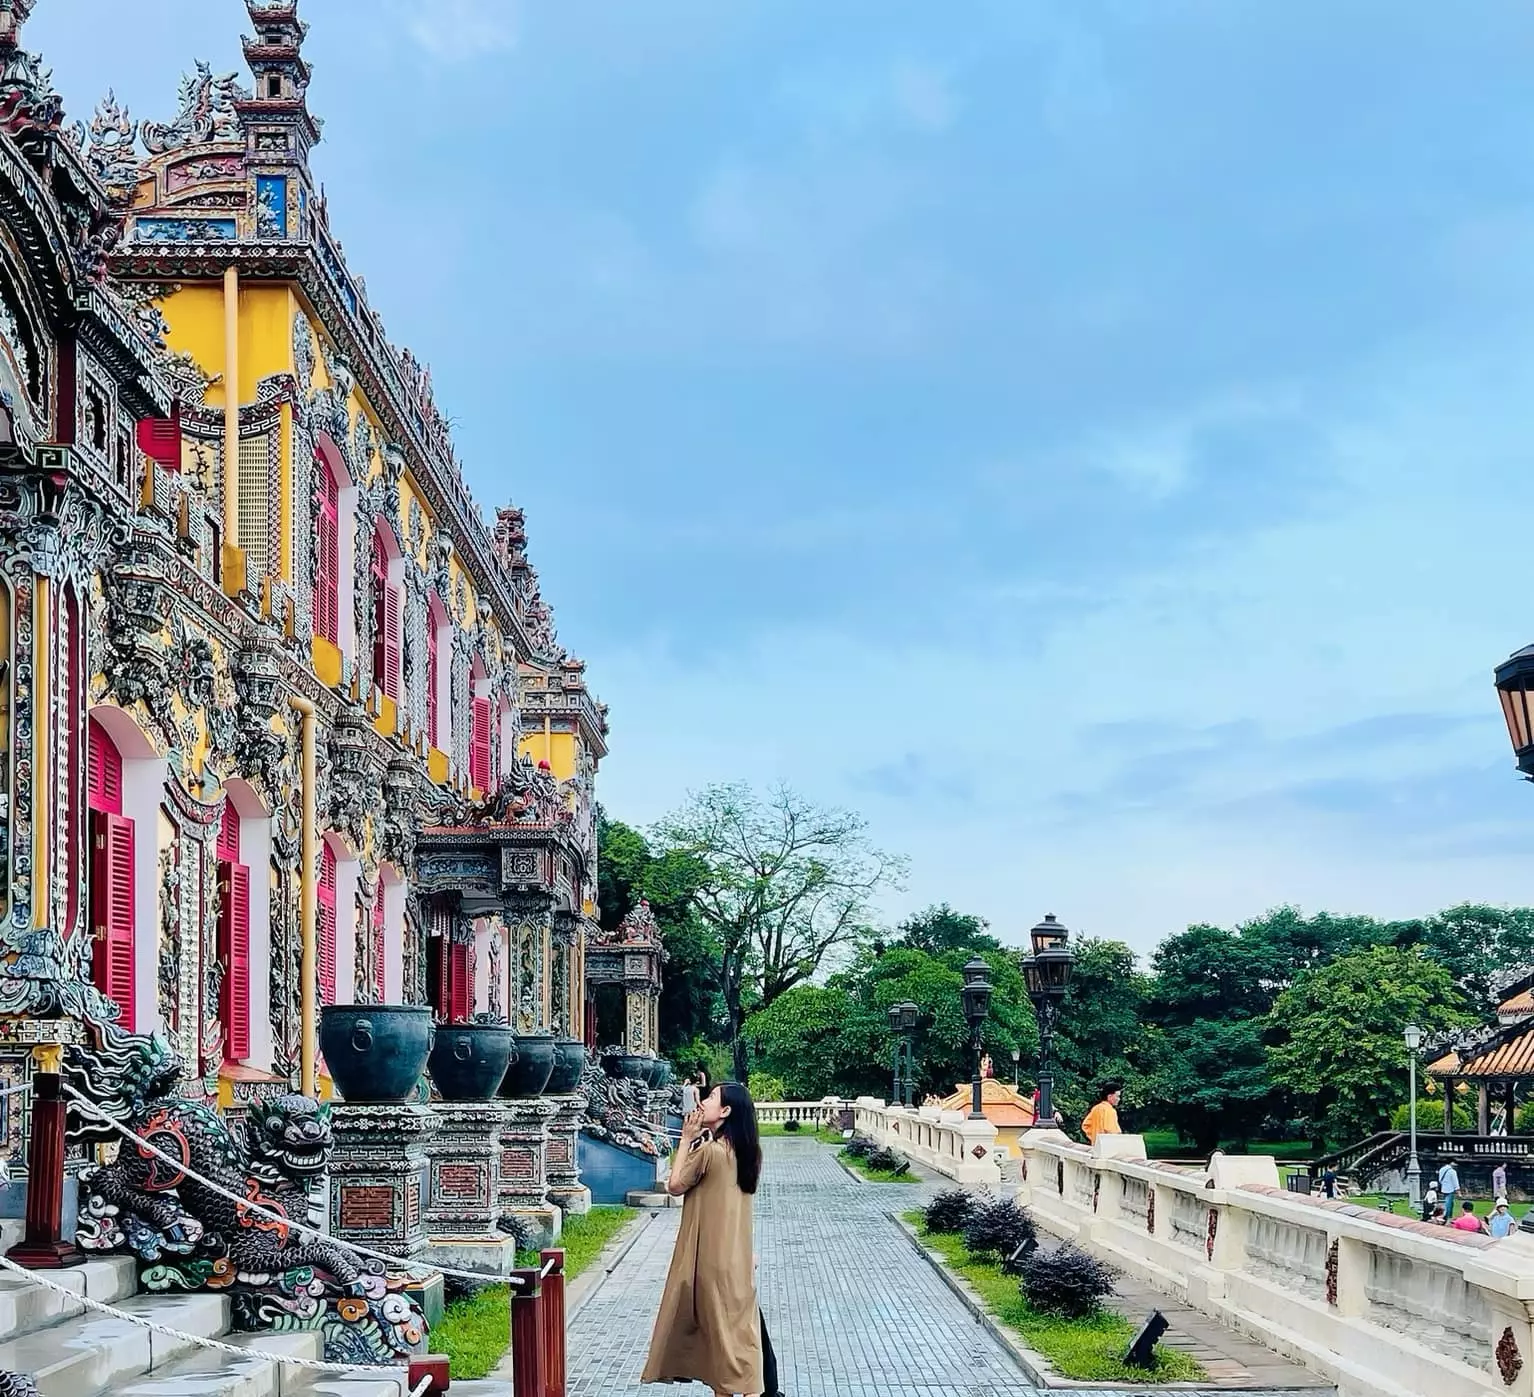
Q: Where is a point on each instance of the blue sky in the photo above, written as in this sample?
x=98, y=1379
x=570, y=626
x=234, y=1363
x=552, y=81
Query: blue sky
x=1090, y=438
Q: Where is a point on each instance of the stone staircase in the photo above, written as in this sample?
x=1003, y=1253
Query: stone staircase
x=70, y=1351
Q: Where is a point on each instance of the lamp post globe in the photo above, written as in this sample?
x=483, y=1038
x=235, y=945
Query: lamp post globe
x=1047, y=974
x=976, y=995
x=1413, y=1036
x=1515, y=688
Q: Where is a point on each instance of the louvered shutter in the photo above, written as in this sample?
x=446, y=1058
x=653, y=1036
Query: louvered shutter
x=112, y=911
x=327, y=571
x=458, y=983
x=234, y=951
x=327, y=928
x=444, y=1005
x=378, y=946
x=431, y=680
x=391, y=667
x=479, y=745
x=229, y=834
x=379, y=573
x=105, y=788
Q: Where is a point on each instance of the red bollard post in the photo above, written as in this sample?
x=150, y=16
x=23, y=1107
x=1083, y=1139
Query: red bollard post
x=43, y=1248
x=526, y=1334
x=553, y=1322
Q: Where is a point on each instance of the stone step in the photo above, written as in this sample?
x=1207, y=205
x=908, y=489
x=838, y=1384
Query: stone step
x=329, y=1385
x=211, y=1373
x=84, y=1356
x=642, y=1198
x=26, y=1306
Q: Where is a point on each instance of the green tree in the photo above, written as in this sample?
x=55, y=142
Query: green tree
x=785, y=887
x=1475, y=944
x=1337, y=1032
x=1099, y=1030
x=1209, y=1081
x=820, y=1040
x=629, y=871
x=939, y=929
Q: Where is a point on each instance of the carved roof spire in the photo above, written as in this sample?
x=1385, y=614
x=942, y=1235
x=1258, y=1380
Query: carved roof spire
x=27, y=99
x=276, y=61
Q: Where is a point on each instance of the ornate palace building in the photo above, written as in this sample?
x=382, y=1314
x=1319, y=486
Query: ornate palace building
x=283, y=722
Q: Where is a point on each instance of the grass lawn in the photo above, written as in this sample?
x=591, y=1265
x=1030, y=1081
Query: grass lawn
x=1164, y=1144
x=875, y=1176
x=830, y=1137
x=475, y=1332
x=1088, y=1350
x=1400, y=1206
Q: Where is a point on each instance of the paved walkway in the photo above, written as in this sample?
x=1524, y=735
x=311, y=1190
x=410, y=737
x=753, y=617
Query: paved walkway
x=852, y=1310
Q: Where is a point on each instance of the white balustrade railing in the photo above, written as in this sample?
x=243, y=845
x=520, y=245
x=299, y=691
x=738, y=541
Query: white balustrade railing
x=1383, y=1306
x=946, y=1142
x=810, y=1113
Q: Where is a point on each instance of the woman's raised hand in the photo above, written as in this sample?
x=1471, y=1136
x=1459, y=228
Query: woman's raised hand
x=692, y=1127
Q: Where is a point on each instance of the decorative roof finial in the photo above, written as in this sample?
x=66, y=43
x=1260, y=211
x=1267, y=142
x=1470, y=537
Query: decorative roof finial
x=27, y=99
x=279, y=109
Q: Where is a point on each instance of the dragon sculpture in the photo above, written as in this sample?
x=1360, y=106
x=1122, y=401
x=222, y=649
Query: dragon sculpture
x=188, y=1236
x=617, y=1110
x=17, y=1385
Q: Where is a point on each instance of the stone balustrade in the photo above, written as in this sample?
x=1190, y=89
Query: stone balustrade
x=947, y=1142
x=823, y=1112
x=1383, y=1306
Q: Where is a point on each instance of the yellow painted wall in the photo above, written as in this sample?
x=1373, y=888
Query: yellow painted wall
x=327, y=662
x=196, y=317
x=557, y=749
x=266, y=334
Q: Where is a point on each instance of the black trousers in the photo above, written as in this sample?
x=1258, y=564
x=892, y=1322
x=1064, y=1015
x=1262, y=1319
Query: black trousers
x=770, y=1386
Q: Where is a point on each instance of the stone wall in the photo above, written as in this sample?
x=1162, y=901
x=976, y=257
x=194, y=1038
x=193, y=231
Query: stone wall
x=1381, y=1305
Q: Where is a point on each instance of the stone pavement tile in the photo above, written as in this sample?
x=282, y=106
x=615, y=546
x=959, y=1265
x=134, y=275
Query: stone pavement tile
x=850, y=1310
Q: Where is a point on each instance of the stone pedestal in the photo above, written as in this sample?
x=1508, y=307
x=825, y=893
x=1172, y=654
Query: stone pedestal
x=524, y=1169
x=566, y=1191
x=378, y=1175
x=463, y=1189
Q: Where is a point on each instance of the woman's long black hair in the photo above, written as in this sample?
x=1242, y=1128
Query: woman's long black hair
x=739, y=1128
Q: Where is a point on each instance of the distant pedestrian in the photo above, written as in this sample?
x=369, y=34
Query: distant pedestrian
x=1448, y=1186
x=1437, y=1214
x=1499, y=1181
x=1329, y=1182
x=1103, y=1118
x=1430, y=1203
x=1467, y=1220
x=690, y=1097
x=1501, y=1222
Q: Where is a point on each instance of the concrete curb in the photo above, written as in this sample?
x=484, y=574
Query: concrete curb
x=1034, y=1365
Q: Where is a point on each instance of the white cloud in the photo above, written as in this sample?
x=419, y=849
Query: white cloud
x=462, y=30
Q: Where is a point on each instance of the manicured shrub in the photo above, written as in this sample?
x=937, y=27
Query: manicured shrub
x=951, y=1210
x=860, y=1147
x=790, y=1127
x=763, y=1086
x=886, y=1161
x=1066, y=1281
x=999, y=1228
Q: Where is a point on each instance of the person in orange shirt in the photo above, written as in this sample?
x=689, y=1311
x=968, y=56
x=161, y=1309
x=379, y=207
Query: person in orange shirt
x=1103, y=1118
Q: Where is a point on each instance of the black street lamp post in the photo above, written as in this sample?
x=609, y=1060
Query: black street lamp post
x=903, y=1019
x=977, y=1004
x=895, y=1096
x=1048, y=975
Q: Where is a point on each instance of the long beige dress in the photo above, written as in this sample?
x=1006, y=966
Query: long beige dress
x=708, y=1329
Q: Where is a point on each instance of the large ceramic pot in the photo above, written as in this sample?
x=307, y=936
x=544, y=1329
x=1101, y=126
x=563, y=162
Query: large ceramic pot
x=631, y=1065
x=569, y=1064
x=530, y=1069
x=375, y=1052
x=654, y=1070
x=666, y=1075
x=469, y=1060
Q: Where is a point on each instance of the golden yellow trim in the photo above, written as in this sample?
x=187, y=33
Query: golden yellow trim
x=233, y=560
x=48, y=1057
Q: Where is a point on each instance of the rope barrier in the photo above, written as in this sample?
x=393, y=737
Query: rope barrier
x=16, y=1088
x=548, y=1266
x=317, y=1365
x=182, y=1167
